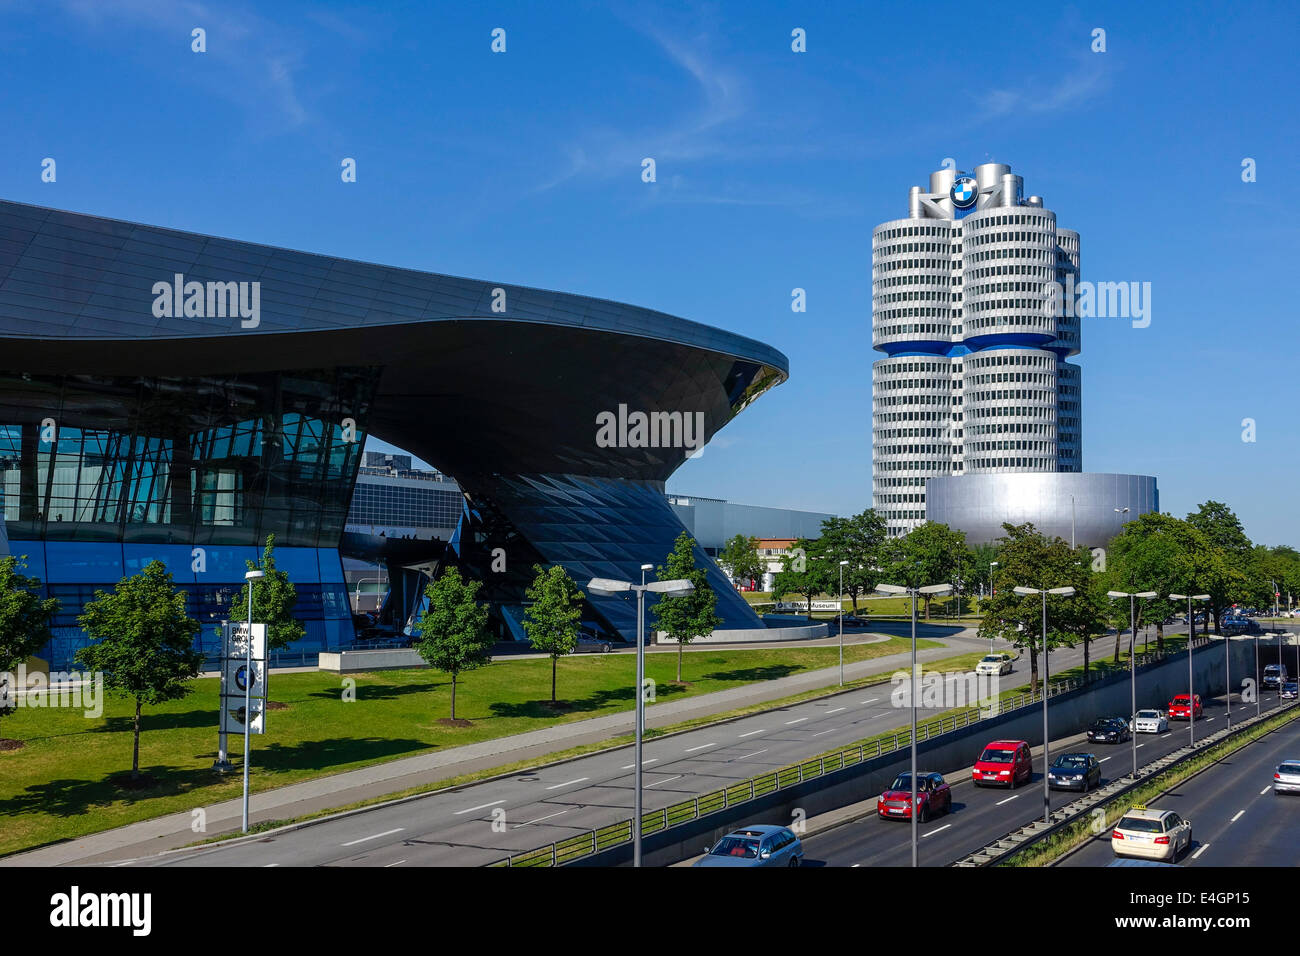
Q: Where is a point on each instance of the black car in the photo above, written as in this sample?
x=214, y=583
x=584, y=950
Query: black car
x=1109, y=730
x=1075, y=771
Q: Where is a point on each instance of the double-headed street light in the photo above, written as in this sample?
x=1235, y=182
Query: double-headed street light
x=251, y=577
x=1191, y=696
x=841, y=615
x=1132, y=661
x=992, y=565
x=914, y=593
x=1047, y=790
x=607, y=587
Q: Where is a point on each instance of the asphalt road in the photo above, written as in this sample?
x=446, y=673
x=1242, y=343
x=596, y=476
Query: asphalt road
x=981, y=815
x=1236, y=818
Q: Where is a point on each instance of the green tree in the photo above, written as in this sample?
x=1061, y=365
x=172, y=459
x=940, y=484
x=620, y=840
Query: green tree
x=803, y=572
x=1155, y=552
x=24, y=619
x=860, y=541
x=552, y=619
x=740, y=559
x=1228, y=554
x=1030, y=559
x=143, y=642
x=274, y=597
x=928, y=554
x=453, y=629
x=692, y=615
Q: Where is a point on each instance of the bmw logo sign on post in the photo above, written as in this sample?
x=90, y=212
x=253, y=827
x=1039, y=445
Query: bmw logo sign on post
x=964, y=192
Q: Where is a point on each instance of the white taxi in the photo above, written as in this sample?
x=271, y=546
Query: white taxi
x=1151, y=834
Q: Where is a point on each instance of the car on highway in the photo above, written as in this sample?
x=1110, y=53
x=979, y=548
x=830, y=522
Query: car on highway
x=1150, y=722
x=761, y=845
x=588, y=644
x=933, y=797
x=1286, y=778
x=1074, y=771
x=1109, y=730
x=994, y=664
x=1003, y=763
x=1290, y=690
x=1274, y=674
x=1151, y=834
x=1178, y=709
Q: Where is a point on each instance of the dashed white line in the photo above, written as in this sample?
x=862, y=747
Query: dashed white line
x=1204, y=847
x=481, y=806
x=820, y=732
x=874, y=716
x=754, y=754
x=752, y=732
x=1009, y=799
x=539, y=819
x=836, y=710
x=657, y=782
x=568, y=783
x=269, y=865
x=937, y=830
x=390, y=865
x=1207, y=720
x=872, y=701
x=1237, y=817
x=797, y=720
x=373, y=836
x=1104, y=759
x=1140, y=746
x=632, y=766
x=700, y=747
x=1163, y=736
x=1265, y=790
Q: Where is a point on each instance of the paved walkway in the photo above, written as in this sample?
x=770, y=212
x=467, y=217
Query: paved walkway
x=341, y=789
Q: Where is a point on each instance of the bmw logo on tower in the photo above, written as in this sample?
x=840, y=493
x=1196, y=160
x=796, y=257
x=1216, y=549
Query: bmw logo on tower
x=964, y=192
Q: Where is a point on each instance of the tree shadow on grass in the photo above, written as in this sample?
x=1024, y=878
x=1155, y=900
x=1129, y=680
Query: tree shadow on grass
x=600, y=700
x=183, y=720
x=70, y=797
x=754, y=674
x=383, y=691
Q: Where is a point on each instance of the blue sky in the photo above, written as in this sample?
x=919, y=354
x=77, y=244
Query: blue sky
x=773, y=167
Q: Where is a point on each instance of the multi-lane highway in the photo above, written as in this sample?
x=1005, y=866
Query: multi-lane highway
x=1236, y=818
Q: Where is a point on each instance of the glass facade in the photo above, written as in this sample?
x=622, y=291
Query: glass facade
x=99, y=475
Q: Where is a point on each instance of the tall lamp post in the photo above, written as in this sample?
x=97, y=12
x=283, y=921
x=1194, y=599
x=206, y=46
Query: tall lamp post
x=250, y=577
x=841, y=616
x=607, y=587
x=1047, y=790
x=992, y=565
x=914, y=593
x=1132, y=661
x=1191, y=695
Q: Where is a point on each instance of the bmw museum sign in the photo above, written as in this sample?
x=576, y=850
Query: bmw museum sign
x=964, y=192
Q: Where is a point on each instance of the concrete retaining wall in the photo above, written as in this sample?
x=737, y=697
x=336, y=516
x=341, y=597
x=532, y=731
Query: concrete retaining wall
x=350, y=662
x=1069, y=713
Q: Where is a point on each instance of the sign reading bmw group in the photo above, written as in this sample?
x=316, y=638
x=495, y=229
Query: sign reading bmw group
x=235, y=679
x=964, y=192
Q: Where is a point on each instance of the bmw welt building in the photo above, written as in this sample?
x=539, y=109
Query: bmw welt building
x=976, y=412
x=172, y=396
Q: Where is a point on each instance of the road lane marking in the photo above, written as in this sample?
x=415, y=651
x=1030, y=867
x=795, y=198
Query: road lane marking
x=1265, y=790
x=752, y=732
x=820, y=732
x=657, y=782
x=700, y=747
x=390, y=865
x=1237, y=817
x=374, y=836
x=1207, y=720
x=797, y=720
x=872, y=701
x=481, y=806
x=1163, y=736
x=632, y=766
x=939, y=830
x=568, y=783
x=539, y=819
x=1204, y=847
x=1140, y=746
x=754, y=754
x=836, y=710
x=1104, y=759
x=1008, y=799
x=874, y=716
x=269, y=865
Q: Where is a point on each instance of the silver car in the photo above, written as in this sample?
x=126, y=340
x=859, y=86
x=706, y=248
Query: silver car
x=1286, y=779
x=762, y=845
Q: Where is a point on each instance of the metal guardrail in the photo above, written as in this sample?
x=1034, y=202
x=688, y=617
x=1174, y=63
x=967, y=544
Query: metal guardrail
x=615, y=834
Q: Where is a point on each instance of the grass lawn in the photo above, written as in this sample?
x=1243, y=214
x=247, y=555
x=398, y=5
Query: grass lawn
x=59, y=786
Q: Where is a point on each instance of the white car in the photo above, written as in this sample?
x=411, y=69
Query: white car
x=1286, y=779
x=1151, y=834
x=995, y=664
x=1150, y=722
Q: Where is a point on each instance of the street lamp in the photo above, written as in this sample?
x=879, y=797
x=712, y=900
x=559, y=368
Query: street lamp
x=992, y=565
x=842, y=563
x=1191, y=696
x=1064, y=592
x=606, y=587
x=1132, y=661
x=914, y=593
x=250, y=577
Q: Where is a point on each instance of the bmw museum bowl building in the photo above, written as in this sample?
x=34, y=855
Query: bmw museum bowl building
x=172, y=396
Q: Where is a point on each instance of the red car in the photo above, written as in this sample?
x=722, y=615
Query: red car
x=1005, y=763
x=1178, y=707
x=933, y=797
